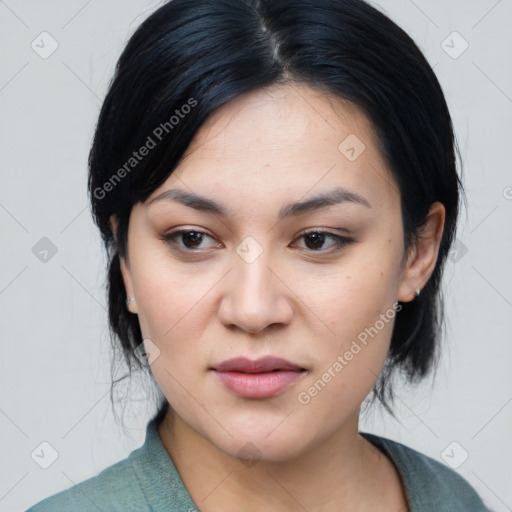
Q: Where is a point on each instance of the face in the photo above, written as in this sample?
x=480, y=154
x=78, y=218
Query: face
x=315, y=284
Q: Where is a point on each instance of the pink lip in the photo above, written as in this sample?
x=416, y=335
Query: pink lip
x=262, y=378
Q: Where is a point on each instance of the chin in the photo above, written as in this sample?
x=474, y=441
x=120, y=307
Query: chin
x=260, y=443
x=262, y=449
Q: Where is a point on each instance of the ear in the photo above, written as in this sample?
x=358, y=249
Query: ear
x=125, y=269
x=422, y=257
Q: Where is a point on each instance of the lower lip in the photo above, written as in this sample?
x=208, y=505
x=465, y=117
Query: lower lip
x=258, y=385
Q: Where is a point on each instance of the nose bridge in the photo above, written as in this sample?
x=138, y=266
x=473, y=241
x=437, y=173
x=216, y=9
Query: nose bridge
x=254, y=279
x=255, y=297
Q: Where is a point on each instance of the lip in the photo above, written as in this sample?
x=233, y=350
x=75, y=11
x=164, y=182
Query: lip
x=261, y=378
x=265, y=364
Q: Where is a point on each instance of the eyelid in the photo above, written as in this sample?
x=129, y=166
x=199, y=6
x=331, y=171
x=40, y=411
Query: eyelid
x=341, y=240
x=328, y=231
x=170, y=238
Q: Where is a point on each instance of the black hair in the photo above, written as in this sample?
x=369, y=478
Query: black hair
x=190, y=57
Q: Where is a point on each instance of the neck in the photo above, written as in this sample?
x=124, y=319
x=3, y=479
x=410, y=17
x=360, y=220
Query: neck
x=339, y=474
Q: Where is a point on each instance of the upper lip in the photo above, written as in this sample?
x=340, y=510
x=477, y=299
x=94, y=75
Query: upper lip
x=265, y=364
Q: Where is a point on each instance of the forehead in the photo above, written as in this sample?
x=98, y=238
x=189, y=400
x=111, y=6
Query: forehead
x=277, y=117
x=289, y=135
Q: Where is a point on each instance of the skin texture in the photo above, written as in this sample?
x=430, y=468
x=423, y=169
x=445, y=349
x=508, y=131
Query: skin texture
x=300, y=299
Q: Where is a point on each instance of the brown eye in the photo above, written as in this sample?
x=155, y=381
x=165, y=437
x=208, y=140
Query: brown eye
x=316, y=241
x=190, y=239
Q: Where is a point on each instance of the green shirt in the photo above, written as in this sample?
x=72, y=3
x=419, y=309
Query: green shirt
x=147, y=480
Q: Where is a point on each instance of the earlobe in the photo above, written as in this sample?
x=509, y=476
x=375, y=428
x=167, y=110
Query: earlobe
x=423, y=255
x=131, y=305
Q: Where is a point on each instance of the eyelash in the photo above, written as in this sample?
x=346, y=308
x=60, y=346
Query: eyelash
x=341, y=241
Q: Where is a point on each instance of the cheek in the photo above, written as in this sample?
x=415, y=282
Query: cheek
x=172, y=314
x=347, y=368
x=173, y=302
x=169, y=309
x=354, y=299
x=359, y=306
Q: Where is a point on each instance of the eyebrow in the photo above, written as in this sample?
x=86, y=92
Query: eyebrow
x=204, y=204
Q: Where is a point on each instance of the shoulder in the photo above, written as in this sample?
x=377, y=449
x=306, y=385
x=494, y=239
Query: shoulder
x=116, y=488
x=429, y=484
x=146, y=480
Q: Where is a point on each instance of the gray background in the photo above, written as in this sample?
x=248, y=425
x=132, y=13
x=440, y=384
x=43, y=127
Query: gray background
x=55, y=364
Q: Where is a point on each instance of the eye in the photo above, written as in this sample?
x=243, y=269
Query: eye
x=190, y=239
x=315, y=240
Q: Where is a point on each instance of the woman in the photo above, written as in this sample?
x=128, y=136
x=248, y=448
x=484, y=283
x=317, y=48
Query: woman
x=275, y=183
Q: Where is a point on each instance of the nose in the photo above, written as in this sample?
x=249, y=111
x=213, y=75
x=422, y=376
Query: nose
x=255, y=296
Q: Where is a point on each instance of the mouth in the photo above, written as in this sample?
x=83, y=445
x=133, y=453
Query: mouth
x=262, y=378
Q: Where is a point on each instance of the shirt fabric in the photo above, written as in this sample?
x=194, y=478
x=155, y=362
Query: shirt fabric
x=147, y=481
